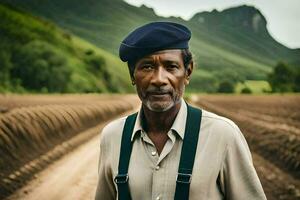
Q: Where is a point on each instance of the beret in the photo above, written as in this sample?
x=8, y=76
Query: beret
x=153, y=37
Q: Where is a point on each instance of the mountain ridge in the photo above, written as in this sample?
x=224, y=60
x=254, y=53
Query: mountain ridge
x=230, y=44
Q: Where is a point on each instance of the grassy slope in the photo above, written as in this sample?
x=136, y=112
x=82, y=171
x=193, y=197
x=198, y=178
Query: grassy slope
x=210, y=57
x=222, y=46
x=257, y=87
x=18, y=28
x=117, y=68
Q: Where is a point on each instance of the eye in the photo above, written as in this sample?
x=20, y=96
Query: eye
x=147, y=67
x=172, y=66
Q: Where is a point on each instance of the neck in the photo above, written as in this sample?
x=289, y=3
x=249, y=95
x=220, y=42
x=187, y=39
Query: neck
x=160, y=122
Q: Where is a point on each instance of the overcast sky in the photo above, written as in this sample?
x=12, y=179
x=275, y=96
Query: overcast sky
x=283, y=16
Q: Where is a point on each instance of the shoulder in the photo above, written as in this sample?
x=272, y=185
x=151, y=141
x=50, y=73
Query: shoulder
x=227, y=132
x=113, y=126
x=221, y=127
x=112, y=132
x=217, y=121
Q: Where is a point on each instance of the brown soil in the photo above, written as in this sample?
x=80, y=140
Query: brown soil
x=72, y=177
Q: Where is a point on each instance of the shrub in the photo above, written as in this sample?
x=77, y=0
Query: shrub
x=5, y=67
x=226, y=87
x=96, y=63
x=246, y=90
x=281, y=79
x=40, y=65
x=296, y=87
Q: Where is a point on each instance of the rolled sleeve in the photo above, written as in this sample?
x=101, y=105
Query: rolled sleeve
x=239, y=179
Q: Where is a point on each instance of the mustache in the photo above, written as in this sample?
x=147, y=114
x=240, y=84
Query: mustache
x=159, y=90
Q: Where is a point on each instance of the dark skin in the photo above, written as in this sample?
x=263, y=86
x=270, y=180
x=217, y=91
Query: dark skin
x=160, y=79
x=158, y=125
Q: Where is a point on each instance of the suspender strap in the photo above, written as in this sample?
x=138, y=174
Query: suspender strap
x=187, y=157
x=126, y=147
x=188, y=152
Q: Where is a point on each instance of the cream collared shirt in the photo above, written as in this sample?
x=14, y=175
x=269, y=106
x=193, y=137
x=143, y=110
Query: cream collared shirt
x=223, y=167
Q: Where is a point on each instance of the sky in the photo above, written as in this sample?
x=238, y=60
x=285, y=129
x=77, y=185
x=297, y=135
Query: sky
x=283, y=16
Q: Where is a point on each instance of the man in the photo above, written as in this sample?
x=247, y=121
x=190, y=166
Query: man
x=170, y=150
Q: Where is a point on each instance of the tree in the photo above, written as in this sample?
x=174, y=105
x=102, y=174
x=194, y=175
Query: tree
x=96, y=63
x=281, y=79
x=40, y=65
x=226, y=87
x=5, y=67
x=246, y=90
x=297, y=82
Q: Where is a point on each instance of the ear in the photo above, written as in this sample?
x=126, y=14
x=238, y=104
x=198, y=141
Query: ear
x=132, y=80
x=131, y=74
x=132, y=77
x=188, y=73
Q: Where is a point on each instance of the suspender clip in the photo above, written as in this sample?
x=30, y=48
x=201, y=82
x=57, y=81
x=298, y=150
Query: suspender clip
x=184, y=178
x=121, y=178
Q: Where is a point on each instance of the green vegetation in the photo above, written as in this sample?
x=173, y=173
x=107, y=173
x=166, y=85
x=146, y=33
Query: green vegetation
x=202, y=81
x=255, y=87
x=226, y=87
x=35, y=64
x=229, y=46
x=246, y=90
x=37, y=56
x=284, y=79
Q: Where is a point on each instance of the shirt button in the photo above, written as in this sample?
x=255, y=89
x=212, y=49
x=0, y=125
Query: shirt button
x=153, y=153
x=157, y=167
x=158, y=198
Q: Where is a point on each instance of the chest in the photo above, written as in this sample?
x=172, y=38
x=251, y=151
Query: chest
x=159, y=140
x=153, y=175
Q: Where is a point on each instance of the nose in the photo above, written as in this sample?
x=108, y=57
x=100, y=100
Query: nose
x=159, y=77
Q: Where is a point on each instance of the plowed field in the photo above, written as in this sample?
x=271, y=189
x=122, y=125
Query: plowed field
x=271, y=125
x=49, y=143
x=37, y=130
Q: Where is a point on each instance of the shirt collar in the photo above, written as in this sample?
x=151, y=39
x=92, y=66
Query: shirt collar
x=178, y=124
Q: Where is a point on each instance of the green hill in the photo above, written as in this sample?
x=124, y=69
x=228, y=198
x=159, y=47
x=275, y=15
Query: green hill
x=37, y=56
x=232, y=44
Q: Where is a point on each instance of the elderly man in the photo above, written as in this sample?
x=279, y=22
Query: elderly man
x=169, y=149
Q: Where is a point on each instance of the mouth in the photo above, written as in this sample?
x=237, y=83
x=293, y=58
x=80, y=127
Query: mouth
x=158, y=94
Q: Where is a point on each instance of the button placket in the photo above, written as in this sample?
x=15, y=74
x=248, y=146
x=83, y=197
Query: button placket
x=150, y=149
x=168, y=146
x=158, y=182
x=157, y=168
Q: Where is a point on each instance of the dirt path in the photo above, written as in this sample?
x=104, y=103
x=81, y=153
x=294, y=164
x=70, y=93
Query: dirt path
x=72, y=177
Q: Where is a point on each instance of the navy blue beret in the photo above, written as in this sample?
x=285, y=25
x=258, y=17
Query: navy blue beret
x=154, y=37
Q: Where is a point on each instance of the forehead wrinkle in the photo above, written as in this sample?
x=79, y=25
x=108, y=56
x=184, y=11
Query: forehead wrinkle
x=163, y=56
x=170, y=55
x=162, y=60
x=168, y=58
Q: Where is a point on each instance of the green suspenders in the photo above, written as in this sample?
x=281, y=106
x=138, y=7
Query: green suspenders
x=126, y=146
x=188, y=152
x=187, y=156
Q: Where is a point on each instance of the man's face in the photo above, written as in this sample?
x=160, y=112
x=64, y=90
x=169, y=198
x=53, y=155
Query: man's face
x=160, y=79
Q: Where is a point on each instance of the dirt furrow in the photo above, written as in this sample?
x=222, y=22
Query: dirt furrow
x=74, y=176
